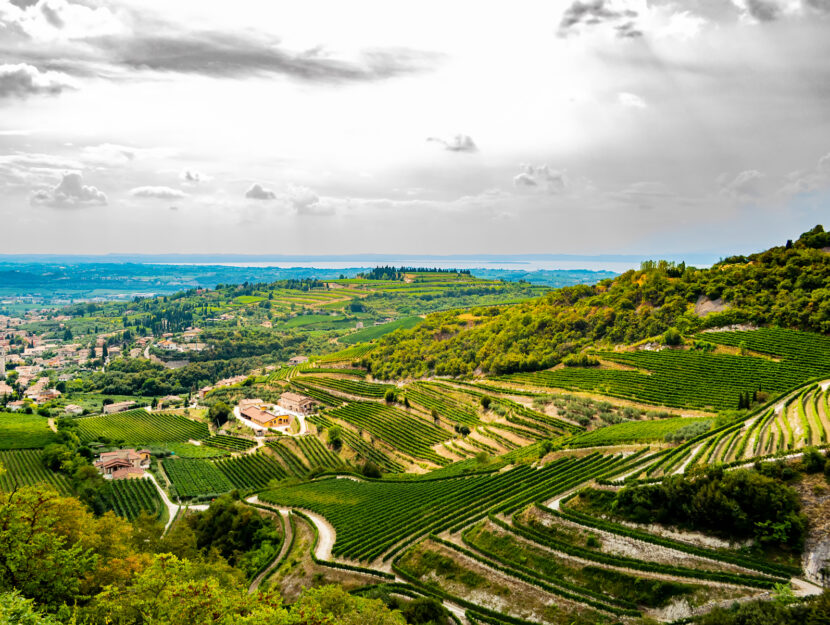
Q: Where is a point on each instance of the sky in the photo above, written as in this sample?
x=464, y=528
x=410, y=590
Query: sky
x=417, y=127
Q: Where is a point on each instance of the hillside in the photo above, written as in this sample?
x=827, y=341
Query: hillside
x=784, y=286
x=673, y=467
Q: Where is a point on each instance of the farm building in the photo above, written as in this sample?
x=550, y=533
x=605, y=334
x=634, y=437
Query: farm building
x=297, y=360
x=119, y=406
x=296, y=402
x=244, y=404
x=265, y=418
x=123, y=463
x=73, y=409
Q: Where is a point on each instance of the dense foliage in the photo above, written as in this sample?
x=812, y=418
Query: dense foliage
x=788, y=286
x=77, y=567
x=740, y=505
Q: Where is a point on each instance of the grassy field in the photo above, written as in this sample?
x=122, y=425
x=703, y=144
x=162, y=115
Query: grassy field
x=22, y=431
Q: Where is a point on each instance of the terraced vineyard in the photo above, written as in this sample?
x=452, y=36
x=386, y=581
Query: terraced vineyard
x=695, y=378
x=450, y=409
x=634, y=432
x=230, y=443
x=294, y=464
x=24, y=431
x=24, y=467
x=251, y=471
x=800, y=421
x=410, y=434
x=358, y=388
x=317, y=454
x=378, y=518
x=349, y=354
x=131, y=497
x=196, y=478
x=139, y=427
x=324, y=397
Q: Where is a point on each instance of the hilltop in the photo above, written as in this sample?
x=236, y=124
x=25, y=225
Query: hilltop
x=784, y=286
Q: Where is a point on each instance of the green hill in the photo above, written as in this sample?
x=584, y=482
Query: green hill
x=786, y=286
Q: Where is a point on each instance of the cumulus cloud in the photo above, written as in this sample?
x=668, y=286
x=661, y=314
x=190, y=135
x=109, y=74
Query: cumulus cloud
x=49, y=20
x=160, y=193
x=747, y=185
x=258, y=192
x=590, y=13
x=22, y=80
x=541, y=177
x=69, y=193
x=458, y=143
x=808, y=181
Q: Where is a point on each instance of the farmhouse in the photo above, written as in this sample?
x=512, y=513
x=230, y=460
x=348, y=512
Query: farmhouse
x=123, y=463
x=265, y=418
x=119, y=406
x=248, y=403
x=296, y=402
x=297, y=360
x=73, y=409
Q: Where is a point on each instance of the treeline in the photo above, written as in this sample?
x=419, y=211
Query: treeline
x=398, y=273
x=787, y=286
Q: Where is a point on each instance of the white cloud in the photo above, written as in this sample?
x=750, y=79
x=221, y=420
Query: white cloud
x=631, y=100
x=191, y=176
x=808, y=181
x=108, y=154
x=458, y=143
x=258, y=192
x=50, y=20
x=70, y=192
x=21, y=80
x=747, y=185
x=541, y=177
x=161, y=193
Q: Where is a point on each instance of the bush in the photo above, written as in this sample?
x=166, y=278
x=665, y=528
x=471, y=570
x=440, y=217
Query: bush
x=672, y=337
x=580, y=360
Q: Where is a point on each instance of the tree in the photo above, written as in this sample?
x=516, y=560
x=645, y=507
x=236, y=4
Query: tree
x=390, y=397
x=219, y=413
x=37, y=554
x=335, y=437
x=485, y=402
